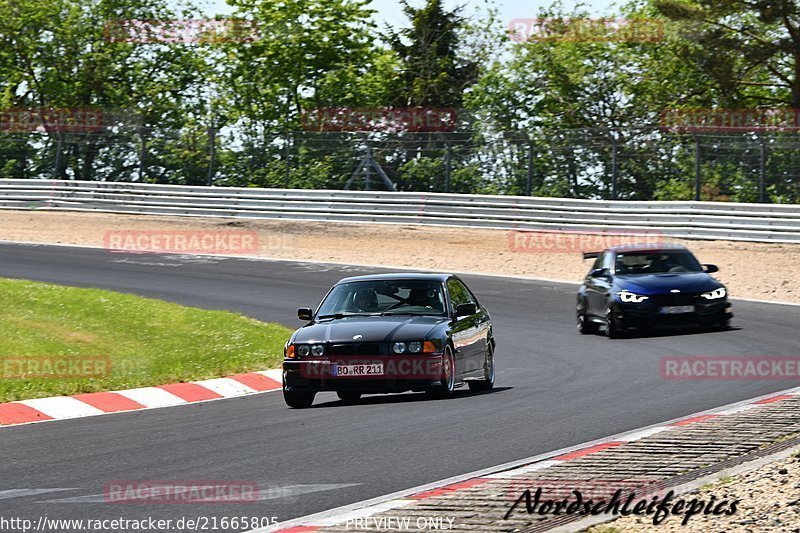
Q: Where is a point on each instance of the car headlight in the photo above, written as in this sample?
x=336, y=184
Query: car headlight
x=716, y=294
x=318, y=350
x=399, y=347
x=303, y=350
x=631, y=298
x=414, y=347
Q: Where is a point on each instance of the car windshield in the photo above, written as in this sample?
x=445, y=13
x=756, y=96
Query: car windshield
x=384, y=297
x=656, y=262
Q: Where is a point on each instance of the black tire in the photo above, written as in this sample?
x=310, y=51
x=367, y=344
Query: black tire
x=448, y=382
x=298, y=400
x=585, y=326
x=349, y=396
x=487, y=383
x=613, y=330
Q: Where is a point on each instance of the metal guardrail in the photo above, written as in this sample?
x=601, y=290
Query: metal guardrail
x=696, y=220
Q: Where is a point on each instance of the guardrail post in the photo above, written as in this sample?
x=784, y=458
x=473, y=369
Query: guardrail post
x=287, y=157
x=696, y=168
x=57, y=163
x=367, y=173
x=448, y=167
x=529, y=180
x=448, y=162
x=142, y=150
x=762, y=171
x=531, y=156
x=614, y=166
x=212, y=136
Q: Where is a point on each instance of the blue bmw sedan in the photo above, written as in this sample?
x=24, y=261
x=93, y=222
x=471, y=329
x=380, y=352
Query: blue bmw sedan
x=649, y=286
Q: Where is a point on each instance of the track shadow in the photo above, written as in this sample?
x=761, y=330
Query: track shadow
x=407, y=397
x=654, y=333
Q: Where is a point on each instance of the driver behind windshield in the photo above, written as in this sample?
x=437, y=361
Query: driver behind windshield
x=425, y=297
x=365, y=301
x=656, y=263
x=400, y=297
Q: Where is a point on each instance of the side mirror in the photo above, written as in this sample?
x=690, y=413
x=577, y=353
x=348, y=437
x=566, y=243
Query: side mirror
x=304, y=313
x=599, y=273
x=711, y=268
x=466, y=309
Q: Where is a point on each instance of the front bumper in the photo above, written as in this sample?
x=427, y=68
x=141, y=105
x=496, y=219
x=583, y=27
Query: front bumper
x=647, y=315
x=400, y=373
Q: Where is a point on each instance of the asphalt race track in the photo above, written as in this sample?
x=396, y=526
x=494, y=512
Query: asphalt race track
x=556, y=388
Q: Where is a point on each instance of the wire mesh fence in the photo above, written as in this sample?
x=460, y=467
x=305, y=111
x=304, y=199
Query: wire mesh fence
x=634, y=163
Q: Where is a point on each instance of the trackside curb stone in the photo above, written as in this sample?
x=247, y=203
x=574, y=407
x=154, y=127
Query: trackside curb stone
x=172, y=394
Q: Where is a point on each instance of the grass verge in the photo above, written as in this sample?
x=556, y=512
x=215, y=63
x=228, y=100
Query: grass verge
x=148, y=342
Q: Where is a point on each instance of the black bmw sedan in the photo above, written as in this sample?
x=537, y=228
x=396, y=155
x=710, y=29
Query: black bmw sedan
x=390, y=333
x=649, y=286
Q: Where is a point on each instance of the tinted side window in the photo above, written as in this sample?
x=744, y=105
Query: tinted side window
x=458, y=293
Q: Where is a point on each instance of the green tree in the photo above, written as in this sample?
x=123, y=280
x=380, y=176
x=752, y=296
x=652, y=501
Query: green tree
x=59, y=54
x=435, y=73
x=307, y=54
x=751, y=50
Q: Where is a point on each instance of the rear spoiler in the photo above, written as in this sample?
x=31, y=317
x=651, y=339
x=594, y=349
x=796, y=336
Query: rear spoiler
x=591, y=255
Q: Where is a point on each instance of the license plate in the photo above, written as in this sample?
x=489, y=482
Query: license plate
x=347, y=371
x=677, y=309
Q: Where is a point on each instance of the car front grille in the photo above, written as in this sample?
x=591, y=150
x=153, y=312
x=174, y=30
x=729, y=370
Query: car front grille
x=370, y=349
x=678, y=298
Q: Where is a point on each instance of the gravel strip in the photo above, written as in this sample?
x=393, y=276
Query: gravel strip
x=769, y=496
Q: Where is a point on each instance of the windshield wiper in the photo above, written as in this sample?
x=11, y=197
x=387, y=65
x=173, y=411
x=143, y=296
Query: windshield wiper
x=406, y=313
x=344, y=315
